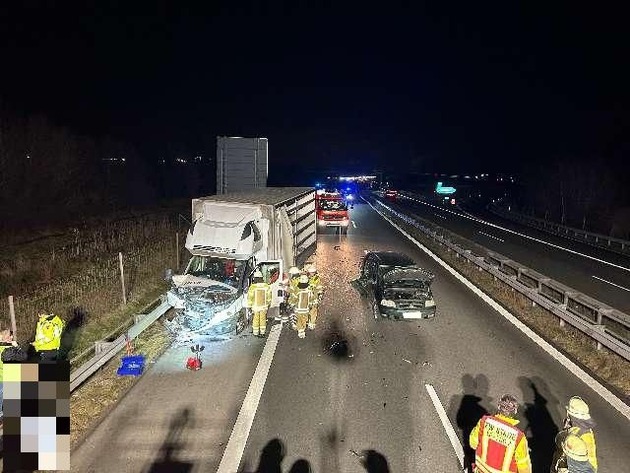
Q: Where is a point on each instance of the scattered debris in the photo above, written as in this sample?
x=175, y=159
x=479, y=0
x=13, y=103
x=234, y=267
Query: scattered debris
x=426, y=363
x=337, y=247
x=384, y=404
x=406, y=361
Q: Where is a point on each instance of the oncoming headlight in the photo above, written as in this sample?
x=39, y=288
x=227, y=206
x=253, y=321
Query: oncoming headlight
x=388, y=303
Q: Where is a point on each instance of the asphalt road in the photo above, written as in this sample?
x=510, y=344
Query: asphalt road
x=326, y=406
x=601, y=274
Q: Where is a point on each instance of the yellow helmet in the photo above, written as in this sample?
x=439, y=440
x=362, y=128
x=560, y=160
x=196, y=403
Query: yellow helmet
x=294, y=271
x=578, y=408
x=303, y=279
x=574, y=447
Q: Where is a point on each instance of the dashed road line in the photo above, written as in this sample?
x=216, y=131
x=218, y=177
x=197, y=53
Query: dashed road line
x=240, y=433
x=612, y=283
x=523, y=235
x=354, y=224
x=491, y=236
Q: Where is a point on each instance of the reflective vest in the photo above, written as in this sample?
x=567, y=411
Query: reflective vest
x=498, y=440
x=315, y=283
x=589, y=439
x=259, y=296
x=48, y=333
x=302, y=301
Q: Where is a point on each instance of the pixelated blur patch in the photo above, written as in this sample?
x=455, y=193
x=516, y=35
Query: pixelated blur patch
x=36, y=416
x=30, y=372
x=58, y=371
x=12, y=372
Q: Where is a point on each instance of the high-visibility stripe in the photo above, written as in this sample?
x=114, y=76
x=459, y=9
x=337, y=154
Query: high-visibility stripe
x=498, y=456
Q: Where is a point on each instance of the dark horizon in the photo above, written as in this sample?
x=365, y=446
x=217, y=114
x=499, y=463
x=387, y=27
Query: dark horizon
x=535, y=90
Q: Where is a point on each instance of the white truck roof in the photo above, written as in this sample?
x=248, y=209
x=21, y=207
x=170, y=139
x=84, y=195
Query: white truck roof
x=264, y=195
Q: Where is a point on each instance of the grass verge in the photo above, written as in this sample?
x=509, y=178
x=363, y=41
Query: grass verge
x=99, y=394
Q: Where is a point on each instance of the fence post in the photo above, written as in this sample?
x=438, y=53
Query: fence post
x=12, y=313
x=177, y=252
x=122, y=278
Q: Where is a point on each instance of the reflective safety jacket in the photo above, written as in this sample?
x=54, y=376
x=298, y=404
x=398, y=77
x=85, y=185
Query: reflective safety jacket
x=499, y=446
x=315, y=283
x=589, y=439
x=302, y=300
x=48, y=333
x=259, y=296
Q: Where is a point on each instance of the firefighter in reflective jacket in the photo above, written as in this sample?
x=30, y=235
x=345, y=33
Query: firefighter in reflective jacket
x=290, y=287
x=48, y=335
x=259, y=300
x=302, y=301
x=315, y=284
x=578, y=422
x=500, y=447
x=575, y=456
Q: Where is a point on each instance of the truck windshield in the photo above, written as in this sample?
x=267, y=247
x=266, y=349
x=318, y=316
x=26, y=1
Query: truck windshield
x=332, y=205
x=225, y=270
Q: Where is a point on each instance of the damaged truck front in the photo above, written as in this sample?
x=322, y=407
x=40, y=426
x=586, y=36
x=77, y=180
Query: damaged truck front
x=231, y=236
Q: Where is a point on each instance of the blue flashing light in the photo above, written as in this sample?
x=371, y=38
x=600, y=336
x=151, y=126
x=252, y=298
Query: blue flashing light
x=350, y=197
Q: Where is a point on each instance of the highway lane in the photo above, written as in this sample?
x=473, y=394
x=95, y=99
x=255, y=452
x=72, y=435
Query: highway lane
x=605, y=276
x=174, y=419
x=323, y=409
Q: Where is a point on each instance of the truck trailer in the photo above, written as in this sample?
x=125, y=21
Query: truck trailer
x=232, y=235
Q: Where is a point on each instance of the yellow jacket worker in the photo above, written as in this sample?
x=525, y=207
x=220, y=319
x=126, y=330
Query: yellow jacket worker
x=315, y=283
x=302, y=301
x=48, y=333
x=259, y=299
x=500, y=447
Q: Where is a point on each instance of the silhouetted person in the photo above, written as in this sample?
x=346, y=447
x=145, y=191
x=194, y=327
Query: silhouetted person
x=469, y=412
x=374, y=462
x=271, y=457
x=300, y=466
x=168, y=463
x=542, y=429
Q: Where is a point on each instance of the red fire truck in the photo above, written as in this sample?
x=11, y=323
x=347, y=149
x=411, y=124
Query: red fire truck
x=332, y=211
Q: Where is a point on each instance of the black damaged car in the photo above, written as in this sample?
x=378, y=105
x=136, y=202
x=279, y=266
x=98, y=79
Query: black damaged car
x=397, y=288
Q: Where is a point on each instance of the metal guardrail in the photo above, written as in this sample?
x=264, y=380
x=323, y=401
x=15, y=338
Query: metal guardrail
x=609, y=327
x=595, y=239
x=106, y=350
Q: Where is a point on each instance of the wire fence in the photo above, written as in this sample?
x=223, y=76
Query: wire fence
x=82, y=280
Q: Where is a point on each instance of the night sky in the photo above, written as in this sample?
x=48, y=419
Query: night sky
x=453, y=87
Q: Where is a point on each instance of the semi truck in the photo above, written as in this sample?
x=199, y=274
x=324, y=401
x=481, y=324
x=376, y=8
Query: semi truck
x=231, y=236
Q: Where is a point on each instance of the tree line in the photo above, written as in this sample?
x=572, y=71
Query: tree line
x=582, y=193
x=48, y=173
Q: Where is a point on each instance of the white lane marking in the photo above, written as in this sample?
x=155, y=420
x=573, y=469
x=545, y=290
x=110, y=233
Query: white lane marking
x=578, y=372
x=354, y=224
x=491, y=236
x=450, y=431
x=612, y=283
x=523, y=235
x=440, y=215
x=240, y=433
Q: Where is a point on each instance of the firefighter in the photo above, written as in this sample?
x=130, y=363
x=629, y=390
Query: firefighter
x=48, y=336
x=315, y=284
x=259, y=299
x=500, y=447
x=302, y=301
x=574, y=456
x=578, y=422
x=289, y=287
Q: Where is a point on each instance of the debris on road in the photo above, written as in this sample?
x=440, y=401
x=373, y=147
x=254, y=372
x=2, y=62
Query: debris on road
x=406, y=361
